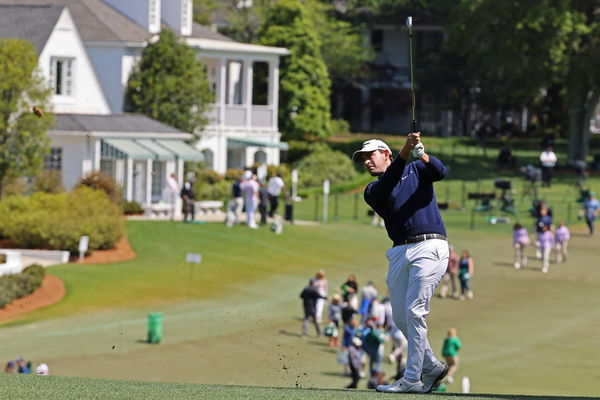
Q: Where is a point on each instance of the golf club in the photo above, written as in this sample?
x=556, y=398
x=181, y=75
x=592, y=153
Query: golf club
x=412, y=78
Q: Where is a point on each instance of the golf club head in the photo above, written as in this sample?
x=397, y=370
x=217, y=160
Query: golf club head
x=409, y=21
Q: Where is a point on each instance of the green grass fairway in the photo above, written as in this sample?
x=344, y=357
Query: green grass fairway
x=234, y=319
x=64, y=388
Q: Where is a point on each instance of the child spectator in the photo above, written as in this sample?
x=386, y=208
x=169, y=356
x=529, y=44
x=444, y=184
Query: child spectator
x=22, y=366
x=335, y=315
x=372, y=338
x=450, y=350
x=562, y=236
x=11, y=366
x=520, y=241
x=354, y=361
x=546, y=240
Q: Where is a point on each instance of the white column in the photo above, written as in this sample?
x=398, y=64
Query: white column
x=120, y=172
x=248, y=69
x=221, y=91
x=274, y=90
x=179, y=174
x=149, y=181
x=97, y=154
x=129, y=181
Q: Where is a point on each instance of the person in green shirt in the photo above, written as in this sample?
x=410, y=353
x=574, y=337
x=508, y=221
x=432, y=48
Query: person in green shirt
x=450, y=350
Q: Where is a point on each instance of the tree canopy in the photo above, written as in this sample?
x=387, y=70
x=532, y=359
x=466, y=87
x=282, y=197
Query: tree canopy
x=304, y=109
x=23, y=141
x=169, y=84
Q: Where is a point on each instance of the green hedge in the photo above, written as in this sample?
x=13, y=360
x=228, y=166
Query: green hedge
x=57, y=221
x=15, y=286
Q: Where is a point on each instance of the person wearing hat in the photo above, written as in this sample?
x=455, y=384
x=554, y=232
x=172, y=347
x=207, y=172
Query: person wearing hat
x=404, y=196
x=591, y=206
x=42, y=369
x=11, y=366
x=355, y=361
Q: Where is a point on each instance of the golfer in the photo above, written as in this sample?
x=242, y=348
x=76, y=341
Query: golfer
x=404, y=196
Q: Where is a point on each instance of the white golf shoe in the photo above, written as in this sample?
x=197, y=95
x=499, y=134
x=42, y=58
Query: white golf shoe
x=430, y=378
x=401, y=386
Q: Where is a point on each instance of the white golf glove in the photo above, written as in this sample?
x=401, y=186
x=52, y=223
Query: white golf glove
x=418, y=151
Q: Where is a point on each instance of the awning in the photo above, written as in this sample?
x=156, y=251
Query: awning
x=125, y=148
x=246, y=142
x=162, y=153
x=155, y=149
x=183, y=150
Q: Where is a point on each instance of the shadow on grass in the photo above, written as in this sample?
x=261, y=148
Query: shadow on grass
x=288, y=333
x=513, y=396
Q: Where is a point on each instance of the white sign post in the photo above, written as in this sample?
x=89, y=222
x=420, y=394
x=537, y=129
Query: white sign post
x=325, y=199
x=84, y=241
x=192, y=258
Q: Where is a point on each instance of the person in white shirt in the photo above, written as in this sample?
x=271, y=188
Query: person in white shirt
x=172, y=193
x=548, y=160
x=249, y=188
x=274, y=189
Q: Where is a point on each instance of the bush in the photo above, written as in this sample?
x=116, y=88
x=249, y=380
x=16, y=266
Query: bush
x=20, y=285
x=57, y=221
x=217, y=191
x=325, y=164
x=339, y=126
x=49, y=181
x=233, y=174
x=131, y=207
x=97, y=180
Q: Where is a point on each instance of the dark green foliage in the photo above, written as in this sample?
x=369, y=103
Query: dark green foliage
x=20, y=285
x=304, y=109
x=131, y=207
x=49, y=181
x=324, y=163
x=97, y=180
x=170, y=85
x=23, y=141
x=57, y=221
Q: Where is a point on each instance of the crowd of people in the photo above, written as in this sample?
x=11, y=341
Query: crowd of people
x=24, y=367
x=358, y=321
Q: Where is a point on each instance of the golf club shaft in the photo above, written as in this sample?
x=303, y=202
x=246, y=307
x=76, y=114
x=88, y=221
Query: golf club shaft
x=412, y=79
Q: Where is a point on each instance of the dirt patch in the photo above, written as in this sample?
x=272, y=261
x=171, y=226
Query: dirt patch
x=121, y=252
x=51, y=291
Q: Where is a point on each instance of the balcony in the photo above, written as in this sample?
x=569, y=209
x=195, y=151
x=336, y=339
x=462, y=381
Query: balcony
x=241, y=116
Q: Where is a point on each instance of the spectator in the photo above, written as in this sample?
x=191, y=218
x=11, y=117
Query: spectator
x=321, y=285
x=466, y=269
x=249, y=188
x=235, y=204
x=172, y=193
x=546, y=239
x=309, y=297
x=354, y=361
x=263, y=199
x=11, y=366
x=335, y=316
x=548, y=160
x=590, y=210
x=373, y=338
x=274, y=190
x=349, y=287
x=450, y=275
x=42, y=369
x=452, y=345
x=187, y=196
x=22, y=366
x=520, y=241
x=561, y=237
x=369, y=292
x=544, y=219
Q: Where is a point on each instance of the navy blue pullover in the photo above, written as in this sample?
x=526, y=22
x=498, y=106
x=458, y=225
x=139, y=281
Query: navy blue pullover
x=404, y=197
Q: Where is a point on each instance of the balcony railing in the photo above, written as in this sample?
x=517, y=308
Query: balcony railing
x=236, y=116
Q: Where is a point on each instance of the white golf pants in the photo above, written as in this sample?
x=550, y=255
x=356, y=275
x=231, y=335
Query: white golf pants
x=414, y=272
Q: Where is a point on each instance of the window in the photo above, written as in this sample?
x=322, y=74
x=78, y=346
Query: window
x=61, y=75
x=377, y=40
x=153, y=13
x=158, y=180
x=234, y=82
x=260, y=83
x=108, y=167
x=208, y=158
x=53, y=161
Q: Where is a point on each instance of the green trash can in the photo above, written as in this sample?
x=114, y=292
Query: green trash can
x=155, y=327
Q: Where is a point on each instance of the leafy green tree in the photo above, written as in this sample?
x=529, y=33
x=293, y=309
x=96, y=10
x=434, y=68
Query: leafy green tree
x=170, y=85
x=323, y=163
x=516, y=54
x=304, y=109
x=23, y=141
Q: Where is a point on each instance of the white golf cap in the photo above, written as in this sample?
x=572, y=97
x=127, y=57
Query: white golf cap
x=369, y=146
x=42, y=369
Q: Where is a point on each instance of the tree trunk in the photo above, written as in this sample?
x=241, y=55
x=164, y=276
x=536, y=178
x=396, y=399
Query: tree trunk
x=579, y=130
